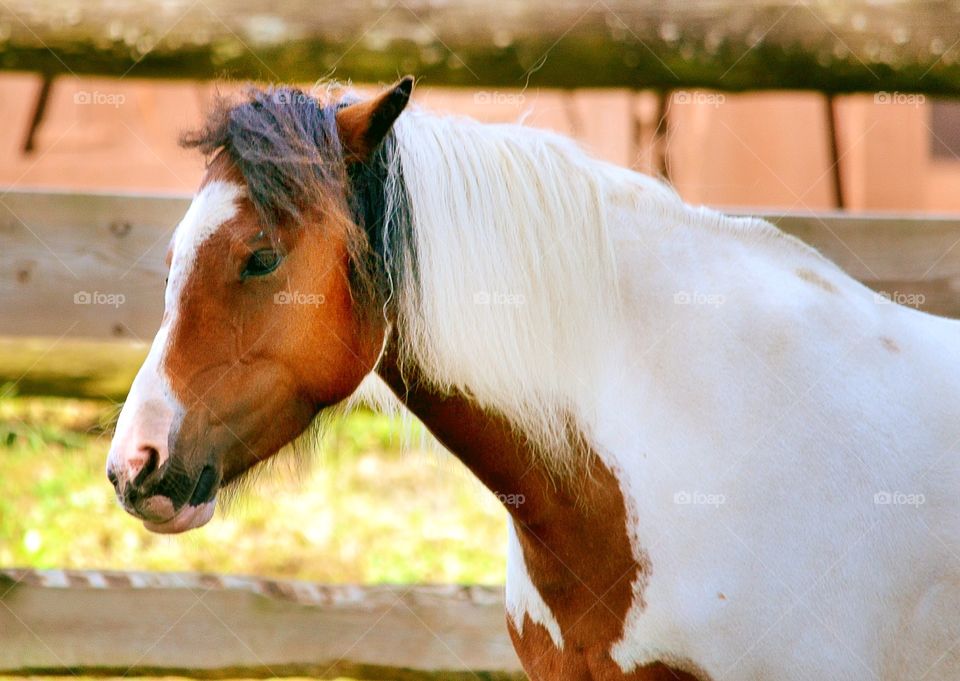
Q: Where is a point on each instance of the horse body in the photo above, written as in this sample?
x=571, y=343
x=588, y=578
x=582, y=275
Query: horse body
x=785, y=447
x=736, y=461
x=789, y=388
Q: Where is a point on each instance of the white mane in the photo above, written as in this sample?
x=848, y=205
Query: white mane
x=511, y=290
x=515, y=287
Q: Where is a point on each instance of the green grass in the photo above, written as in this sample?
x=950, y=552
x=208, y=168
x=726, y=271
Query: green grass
x=365, y=511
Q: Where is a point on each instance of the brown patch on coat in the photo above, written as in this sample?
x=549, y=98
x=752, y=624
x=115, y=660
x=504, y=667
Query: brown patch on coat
x=574, y=533
x=543, y=661
x=889, y=344
x=812, y=277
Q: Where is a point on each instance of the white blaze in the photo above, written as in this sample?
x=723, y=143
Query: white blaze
x=150, y=406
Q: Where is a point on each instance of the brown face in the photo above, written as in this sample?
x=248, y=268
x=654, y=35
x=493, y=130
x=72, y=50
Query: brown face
x=258, y=335
x=266, y=335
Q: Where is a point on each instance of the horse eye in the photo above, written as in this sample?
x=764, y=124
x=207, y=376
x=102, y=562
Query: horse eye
x=261, y=262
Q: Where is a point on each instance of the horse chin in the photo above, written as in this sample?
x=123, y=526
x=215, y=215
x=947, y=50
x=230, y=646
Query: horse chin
x=187, y=518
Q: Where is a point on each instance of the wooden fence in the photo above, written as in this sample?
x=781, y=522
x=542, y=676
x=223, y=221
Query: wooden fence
x=204, y=626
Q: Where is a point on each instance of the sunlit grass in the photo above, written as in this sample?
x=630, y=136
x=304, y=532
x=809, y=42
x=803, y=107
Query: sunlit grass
x=365, y=511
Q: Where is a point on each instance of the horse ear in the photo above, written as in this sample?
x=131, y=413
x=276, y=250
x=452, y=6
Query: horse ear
x=362, y=126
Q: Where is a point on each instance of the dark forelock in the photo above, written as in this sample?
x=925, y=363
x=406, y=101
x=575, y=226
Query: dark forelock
x=283, y=142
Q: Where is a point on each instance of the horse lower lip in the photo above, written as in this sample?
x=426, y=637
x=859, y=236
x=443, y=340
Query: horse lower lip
x=187, y=518
x=205, y=484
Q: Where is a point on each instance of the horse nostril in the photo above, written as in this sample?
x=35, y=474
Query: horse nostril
x=151, y=464
x=205, y=483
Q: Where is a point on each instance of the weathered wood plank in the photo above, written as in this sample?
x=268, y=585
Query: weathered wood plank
x=858, y=45
x=83, y=265
x=212, y=627
x=102, y=133
x=18, y=94
x=724, y=149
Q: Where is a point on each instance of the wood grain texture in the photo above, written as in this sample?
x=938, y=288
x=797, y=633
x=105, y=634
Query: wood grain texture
x=84, y=265
x=220, y=627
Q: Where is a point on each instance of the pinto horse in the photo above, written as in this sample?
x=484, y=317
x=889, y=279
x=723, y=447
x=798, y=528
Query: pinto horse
x=736, y=462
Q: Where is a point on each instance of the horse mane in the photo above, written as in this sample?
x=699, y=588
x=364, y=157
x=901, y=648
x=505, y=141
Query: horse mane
x=515, y=287
x=516, y=299
x=488, y=245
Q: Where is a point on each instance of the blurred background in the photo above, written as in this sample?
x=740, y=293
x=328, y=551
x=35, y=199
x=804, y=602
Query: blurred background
x=781, y=150
x=838, y=120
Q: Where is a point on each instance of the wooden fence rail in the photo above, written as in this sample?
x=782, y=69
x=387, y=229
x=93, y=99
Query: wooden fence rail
x=857, y=45
x=81, y=279
x=65, y=623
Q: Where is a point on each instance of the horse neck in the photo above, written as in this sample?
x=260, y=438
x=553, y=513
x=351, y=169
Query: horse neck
x=482, y=440
x=502, y=458
x=572, y=533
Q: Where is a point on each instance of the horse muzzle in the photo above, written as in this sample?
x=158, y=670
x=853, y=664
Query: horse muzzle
x=164, y=496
